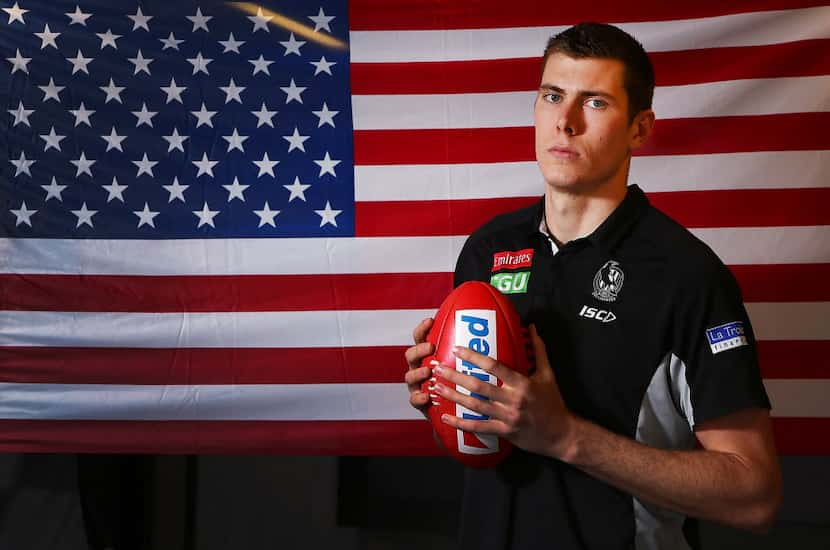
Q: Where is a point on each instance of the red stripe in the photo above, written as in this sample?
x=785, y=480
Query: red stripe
x=226, y=437
x=683, y=136
x=794, y=436
x=222, y=293
x=202, y=366
x=715, y=208
x=784, y=283
x=802, y=58
x=759, y=283
x=370, y=15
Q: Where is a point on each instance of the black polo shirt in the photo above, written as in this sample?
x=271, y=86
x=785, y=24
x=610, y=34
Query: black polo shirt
x=648, y=336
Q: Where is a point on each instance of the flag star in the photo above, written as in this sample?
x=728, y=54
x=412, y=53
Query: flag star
x=20, y=63
x=145, y=216
x=261, y=65
x=82, y=115
x=115, y=190
x=84, y=215
x=266, y=215
x=327, y=165
x=173, y=91
x=176, y=190
x=235, y=141
x=145, y=166
x=297, y=189
x=322, y=66
x=170, y=42
x=21, y=114
x=15, y=13
x=53, y=190
x=78, y=17
x=260, y=20
x=52, y=140
x=175, y=140
x=140, y=20
x=83, y=165
x=112, y=91
x=205, y=216
x=205, y=165
x=51, y=91
x=231, y=45
x=199, y=21
x=264, y=116
x=232, y=92
x=47, y=37
x=328, y=215
x=295, y=141
x=325, y=115
x=22, y=165
x=293, y=92
x=144, y=116
x=141, y=63
x=321, y=21
x=108, y=39
x=23, y=214
x=235, y=190
x=114, y=140
x=292, y=45
x=199, y=64
x=203, y=116
x=79, y=63
x=266, y=166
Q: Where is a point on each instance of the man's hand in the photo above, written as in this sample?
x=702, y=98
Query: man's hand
x=527, y=411
x=416, y=375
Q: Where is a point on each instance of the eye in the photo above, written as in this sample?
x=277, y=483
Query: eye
x=552, y=97
x=597, y=103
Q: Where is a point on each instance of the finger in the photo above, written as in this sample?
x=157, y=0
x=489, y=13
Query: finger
x=488, y=364
x=420, y=333
x=473, y=403
x=419, y=400
x=471, y=383
x=415, y=354
x=415, y=377
x=543, y=369
x=477, y=426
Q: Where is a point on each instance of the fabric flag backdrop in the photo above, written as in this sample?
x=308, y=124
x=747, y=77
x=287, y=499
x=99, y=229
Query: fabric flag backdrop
x=221, y=221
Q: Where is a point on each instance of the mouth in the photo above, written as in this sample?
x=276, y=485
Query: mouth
x=565, y=153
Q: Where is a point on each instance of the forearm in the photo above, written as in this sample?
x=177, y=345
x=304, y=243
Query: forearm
x=713, y=485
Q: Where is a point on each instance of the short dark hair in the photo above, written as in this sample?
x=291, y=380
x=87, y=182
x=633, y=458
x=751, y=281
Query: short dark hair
x=609, y=42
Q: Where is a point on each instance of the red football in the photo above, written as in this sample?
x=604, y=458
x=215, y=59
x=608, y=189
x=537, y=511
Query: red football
x=477, y=316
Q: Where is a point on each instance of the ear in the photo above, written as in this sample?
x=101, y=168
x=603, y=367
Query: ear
x=641, y=128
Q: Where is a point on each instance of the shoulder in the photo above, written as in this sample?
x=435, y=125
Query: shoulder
x=508, y=227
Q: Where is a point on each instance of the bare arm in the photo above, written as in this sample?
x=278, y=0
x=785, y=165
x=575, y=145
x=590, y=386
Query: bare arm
x=734, y=479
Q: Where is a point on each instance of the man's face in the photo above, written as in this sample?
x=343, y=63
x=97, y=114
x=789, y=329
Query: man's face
x=583, y=137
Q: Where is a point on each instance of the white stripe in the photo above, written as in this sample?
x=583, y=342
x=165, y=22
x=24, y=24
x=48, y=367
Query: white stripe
x=799, y=398
x=284, y=329
x=230, y=257
x=745, y=29
x=771, y=321
x=768, y=245
x=755, y=170
x=790, y=398
x=507, y=109
x=741, y=245
x=209, y=402
x=790, y=320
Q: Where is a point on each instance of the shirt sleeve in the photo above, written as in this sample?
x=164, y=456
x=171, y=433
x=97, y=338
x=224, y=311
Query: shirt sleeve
x=715, y=342
x=472, y=263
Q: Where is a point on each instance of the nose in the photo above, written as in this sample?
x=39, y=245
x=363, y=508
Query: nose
x=567, y=120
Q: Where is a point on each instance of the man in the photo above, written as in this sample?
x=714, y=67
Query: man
x=646, y=405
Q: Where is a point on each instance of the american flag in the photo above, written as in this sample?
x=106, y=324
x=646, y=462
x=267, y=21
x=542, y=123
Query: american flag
x=221, y=221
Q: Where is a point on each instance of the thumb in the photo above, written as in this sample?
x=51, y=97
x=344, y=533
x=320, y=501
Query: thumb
x=543, y=369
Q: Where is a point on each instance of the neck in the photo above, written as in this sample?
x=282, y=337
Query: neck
x=571, y=215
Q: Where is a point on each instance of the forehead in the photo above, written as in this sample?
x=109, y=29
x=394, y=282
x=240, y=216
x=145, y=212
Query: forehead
x=587, y=73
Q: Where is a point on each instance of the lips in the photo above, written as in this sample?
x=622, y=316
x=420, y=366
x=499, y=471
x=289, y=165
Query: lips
x=563, y=152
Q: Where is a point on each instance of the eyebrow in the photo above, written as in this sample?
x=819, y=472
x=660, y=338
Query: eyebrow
x=583, y=93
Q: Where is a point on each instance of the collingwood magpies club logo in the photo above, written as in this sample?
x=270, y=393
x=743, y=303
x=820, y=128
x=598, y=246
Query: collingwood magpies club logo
x=608, y=281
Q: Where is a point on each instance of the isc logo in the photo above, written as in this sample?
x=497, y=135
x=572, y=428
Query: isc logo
x=475, y=329
x=602, y=315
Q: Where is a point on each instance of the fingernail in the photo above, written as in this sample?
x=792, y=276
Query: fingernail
x=456, y=349
x=439, y=387
x=444, y=418
x=439, y=370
